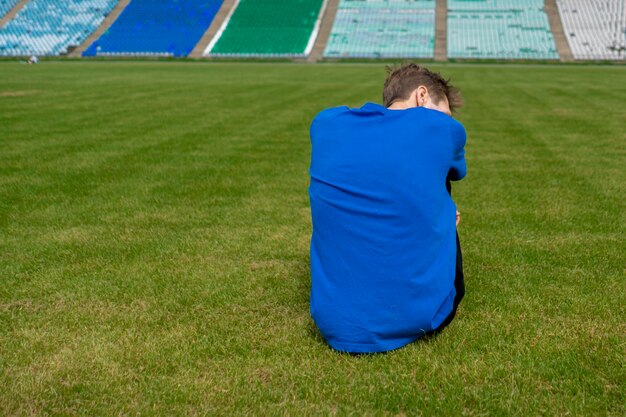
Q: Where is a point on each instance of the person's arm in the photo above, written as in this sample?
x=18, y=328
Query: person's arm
x=458, y=168
x=449, y=188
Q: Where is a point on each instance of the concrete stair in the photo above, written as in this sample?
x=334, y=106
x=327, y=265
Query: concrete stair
x=106, y=24
x=328, y=18
x=441, y=30
x=562, y=47
x=222, y=14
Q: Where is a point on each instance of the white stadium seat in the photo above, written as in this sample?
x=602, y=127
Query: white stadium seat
x=595, y=29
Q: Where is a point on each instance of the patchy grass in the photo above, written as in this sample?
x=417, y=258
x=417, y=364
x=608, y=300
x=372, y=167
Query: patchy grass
x=154, y=232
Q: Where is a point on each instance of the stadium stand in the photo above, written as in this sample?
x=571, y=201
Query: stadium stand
x=499, y=29
x=50, y=27
x=383, y=29
x=104, y=26
x=268, y=28
x=6, y=5
x=12, y=12
x=595, y=29
x=157, y=27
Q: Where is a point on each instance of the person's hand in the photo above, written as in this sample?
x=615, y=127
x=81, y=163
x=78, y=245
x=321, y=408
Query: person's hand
x=458, y=217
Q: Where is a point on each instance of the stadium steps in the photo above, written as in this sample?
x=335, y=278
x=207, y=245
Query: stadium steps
x=562, y=46
x=441, y=30
x=218, y=20
x=108, y=21
x=328, y=17
x=11, y=14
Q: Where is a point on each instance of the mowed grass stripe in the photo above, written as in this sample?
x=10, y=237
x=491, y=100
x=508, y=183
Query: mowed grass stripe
x=154, y=235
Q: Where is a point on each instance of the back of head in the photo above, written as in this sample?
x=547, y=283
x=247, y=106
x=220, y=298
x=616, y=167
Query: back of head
x=403, y=80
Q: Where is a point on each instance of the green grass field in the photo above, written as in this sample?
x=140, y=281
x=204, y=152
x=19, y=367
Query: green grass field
x=154, y=230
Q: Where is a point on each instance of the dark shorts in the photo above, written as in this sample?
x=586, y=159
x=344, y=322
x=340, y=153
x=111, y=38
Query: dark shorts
x=459, y=281
x=459, y=286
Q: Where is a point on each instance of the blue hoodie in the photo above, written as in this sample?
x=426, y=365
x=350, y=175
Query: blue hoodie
x=383, y=248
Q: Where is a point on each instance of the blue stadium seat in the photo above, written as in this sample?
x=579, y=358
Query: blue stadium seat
x=6, y=5
x=157, y=27
x=49, y=27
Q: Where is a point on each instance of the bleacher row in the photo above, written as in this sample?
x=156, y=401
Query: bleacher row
x=383, y=28
x=48, y=27
x=595, y=29
x=501, y=29
x=6, y=6
x=156, y=27
x=490, y=29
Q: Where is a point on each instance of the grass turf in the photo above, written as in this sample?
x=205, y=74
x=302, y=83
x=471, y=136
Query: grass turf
x=154, y=229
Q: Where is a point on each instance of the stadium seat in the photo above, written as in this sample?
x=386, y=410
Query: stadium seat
x=157, y=27
x=383, y=29
x=268, y=28
x=595, y=29
x=49, y=27
x=6, y=5
x=499, y=29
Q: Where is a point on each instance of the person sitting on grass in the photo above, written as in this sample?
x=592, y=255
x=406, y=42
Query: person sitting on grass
x=386, y=266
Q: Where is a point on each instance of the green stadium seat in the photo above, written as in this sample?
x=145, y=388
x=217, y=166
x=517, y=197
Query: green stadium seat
x=268, y=28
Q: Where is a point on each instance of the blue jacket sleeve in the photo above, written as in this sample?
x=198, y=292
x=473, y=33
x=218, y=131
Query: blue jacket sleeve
x=458, y=136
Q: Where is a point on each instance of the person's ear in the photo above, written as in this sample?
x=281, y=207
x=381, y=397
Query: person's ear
x=421, y=96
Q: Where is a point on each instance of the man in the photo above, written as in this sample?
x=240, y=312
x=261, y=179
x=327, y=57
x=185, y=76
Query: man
x=385, y=259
